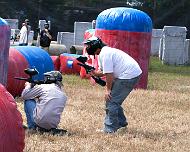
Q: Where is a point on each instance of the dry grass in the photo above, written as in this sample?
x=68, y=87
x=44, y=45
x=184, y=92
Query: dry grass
x=158, y=120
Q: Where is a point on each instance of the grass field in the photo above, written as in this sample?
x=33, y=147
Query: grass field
x=159, y=117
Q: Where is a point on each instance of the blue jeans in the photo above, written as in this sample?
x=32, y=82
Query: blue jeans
x=115, y=117
x=29, y=106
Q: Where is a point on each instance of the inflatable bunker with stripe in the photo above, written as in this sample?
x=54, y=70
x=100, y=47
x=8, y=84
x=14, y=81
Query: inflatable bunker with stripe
x=22, y=57
x=69, y=64
x=130, y=30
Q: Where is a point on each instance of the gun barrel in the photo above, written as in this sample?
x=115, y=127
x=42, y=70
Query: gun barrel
x=19, y=78
x=99, y=81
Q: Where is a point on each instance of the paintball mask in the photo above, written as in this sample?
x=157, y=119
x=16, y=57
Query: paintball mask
x=92, y=44
x=52, y=77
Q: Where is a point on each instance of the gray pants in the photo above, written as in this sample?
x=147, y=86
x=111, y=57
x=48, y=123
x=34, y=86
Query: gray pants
x=115, y=117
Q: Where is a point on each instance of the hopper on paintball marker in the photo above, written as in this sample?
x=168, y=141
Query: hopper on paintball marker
x=31, y=73
x=88, y=69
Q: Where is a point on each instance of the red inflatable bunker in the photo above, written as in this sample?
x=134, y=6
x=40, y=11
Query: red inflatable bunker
x=17, y=64
x=11, y=131
x=4, y=50
x=56, y=62
x=69, y=64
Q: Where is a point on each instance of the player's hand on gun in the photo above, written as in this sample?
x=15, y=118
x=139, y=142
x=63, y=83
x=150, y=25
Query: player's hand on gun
x=27, y=85
x=96, y=73
x=92, y=73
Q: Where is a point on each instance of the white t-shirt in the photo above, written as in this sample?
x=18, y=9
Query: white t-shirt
x=23, y=35
x=123, y=66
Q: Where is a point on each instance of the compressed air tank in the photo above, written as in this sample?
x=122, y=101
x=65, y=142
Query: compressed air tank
x=12, y=133
x=130, y=30
x=22, y=57
x=5, y=32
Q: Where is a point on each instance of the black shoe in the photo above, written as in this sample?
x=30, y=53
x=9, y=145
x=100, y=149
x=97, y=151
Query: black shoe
x=124, y=125
x=55, y=131
x=29, y=130
x=42, y=130
x=25, y=127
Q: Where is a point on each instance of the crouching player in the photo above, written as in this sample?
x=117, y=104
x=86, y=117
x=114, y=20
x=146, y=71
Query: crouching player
x=45, y=103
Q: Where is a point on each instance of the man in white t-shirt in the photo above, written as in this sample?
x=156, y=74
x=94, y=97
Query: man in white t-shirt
x=122, y=73
x=24, y=32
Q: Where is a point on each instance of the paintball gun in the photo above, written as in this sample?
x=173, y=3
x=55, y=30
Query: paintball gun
x=88, y=69
x=31, y=73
